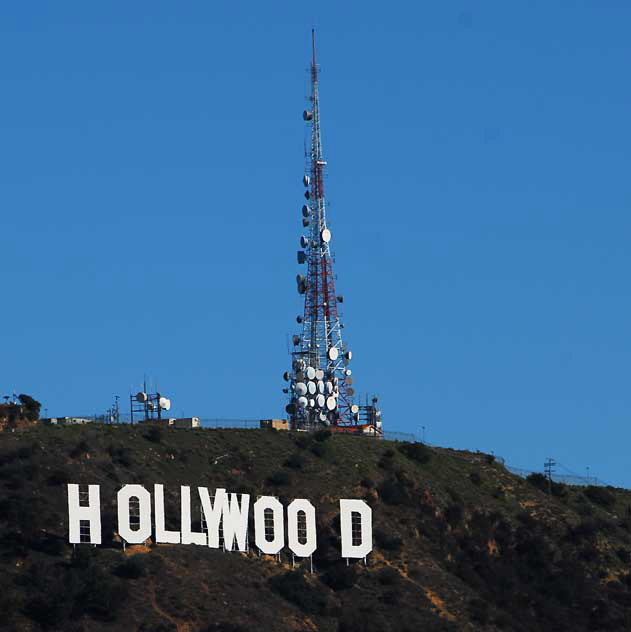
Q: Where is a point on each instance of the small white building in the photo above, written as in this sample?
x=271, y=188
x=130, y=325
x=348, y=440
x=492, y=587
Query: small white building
x=67, y=421
x=186, y=422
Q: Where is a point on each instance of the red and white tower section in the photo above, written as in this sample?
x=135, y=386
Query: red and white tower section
x=320, y=382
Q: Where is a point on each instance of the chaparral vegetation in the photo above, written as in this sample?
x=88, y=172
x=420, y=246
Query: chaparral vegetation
x=459, y=542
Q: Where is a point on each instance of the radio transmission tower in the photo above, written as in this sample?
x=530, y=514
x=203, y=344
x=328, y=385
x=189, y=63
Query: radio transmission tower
x=320, y=383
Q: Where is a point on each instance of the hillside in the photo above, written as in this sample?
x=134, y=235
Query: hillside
x=460, y=543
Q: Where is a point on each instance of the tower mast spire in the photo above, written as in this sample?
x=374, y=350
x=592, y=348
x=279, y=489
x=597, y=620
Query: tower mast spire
x=320, y=387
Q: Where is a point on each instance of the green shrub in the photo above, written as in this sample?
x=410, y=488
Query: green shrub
x=479, y=611
x=132, y=568
x=453, y=515
x=538, y=480
x=121, y=456
x=387, y=541
x=80, y=449
x=294, y=587
x=25, y=452
x=280, y=477
x=340, y=576
x=322, y=435
x=387, y=459
x=416, y=451
x=600, y=496
x=154, y=434
x=393, y=492
x=388, y=576
x=295, y=461
x=623, y=555
x=303, y=440
x=57, y=477
x=319, y=449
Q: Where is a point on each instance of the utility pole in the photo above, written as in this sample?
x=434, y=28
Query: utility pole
x=548, y=467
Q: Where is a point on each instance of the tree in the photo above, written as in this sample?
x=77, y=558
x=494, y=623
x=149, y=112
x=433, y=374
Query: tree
x=31, y=407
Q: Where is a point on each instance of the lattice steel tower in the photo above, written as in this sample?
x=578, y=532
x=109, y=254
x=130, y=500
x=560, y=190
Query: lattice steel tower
x=320, y=384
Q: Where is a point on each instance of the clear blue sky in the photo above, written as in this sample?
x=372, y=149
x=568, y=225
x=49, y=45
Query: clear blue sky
x=479, y=182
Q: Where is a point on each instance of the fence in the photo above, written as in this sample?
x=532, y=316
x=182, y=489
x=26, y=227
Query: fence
x=566, y=479
x=569, y=478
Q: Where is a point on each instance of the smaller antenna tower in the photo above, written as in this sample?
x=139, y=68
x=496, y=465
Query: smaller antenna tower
x=146, y=406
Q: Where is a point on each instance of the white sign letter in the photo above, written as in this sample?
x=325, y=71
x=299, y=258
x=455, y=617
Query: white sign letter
x=162, y=535
x=309, y=546
x=270, y=547
x=212, y=513
x=142, y=518
x=363, y=532
x=91, y=512
x=235, y=521
x=188, y=535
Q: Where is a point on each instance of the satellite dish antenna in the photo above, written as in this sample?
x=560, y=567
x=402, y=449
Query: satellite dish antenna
x=306, y=211
x=165, y=403
x=306, y=180
x=320, y=401
x=325, y=235
x=141, y=397
x=319, y=374
x=333, y=353
x=354, y=409
x=331, y=403
x=300, y=388
x=311, y=372
x=304, y=242
x=302, y=402
x=311, y=387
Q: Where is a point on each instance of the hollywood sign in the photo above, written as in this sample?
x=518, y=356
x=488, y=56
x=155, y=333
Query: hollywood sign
x=219, y=511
